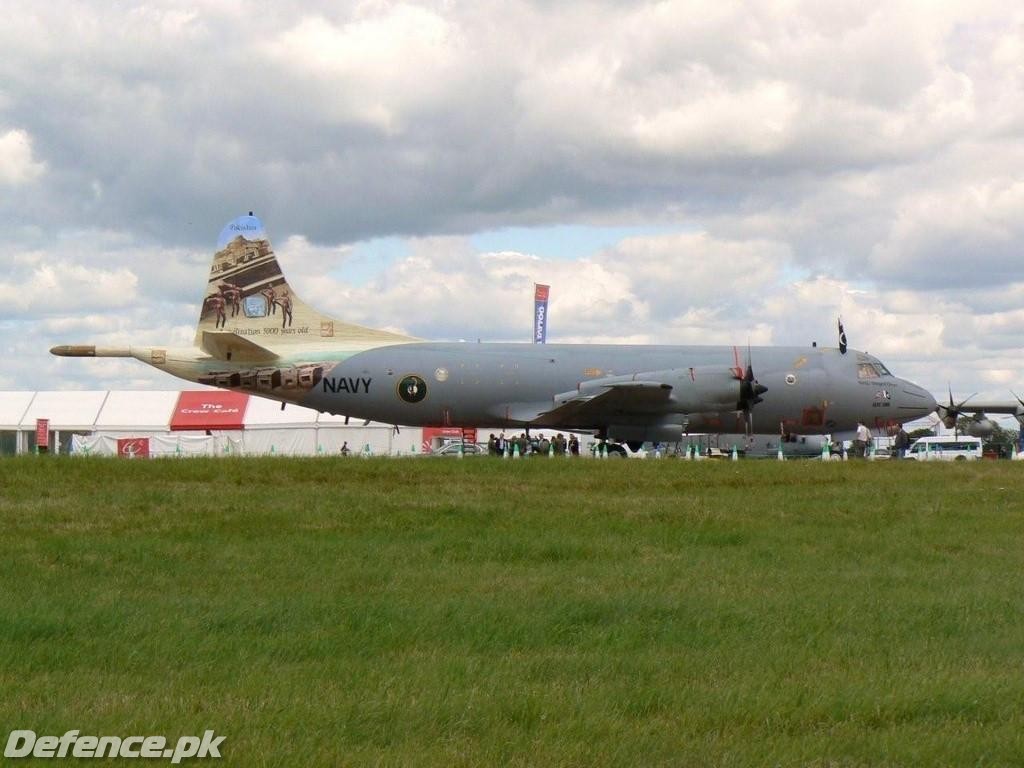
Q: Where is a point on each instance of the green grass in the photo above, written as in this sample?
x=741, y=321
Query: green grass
x=483, y=612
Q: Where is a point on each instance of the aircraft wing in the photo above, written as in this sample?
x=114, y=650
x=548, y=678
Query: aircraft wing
x=978, y=411
x=1011, y=409
x=612, y=401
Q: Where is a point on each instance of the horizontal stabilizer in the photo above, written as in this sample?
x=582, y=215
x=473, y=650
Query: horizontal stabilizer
x=89, y=350
x=231, y=346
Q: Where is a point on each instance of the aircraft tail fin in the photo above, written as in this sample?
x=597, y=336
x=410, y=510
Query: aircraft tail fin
x=248, y=298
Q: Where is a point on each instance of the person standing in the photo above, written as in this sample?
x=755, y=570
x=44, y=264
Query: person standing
x=860, y=445
x=901, y=443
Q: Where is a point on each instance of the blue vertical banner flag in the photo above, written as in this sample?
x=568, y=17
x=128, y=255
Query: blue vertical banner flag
x=540, y=313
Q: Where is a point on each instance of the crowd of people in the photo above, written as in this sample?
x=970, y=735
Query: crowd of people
x=524, y=445
x=860, y=446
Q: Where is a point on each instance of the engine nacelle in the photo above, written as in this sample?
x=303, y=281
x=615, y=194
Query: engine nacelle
x=706, y=388
x=982, y=427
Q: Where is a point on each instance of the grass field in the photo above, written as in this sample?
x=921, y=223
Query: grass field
x=486, y=612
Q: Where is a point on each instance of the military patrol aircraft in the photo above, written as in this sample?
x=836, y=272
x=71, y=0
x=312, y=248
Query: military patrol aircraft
x=255, y=334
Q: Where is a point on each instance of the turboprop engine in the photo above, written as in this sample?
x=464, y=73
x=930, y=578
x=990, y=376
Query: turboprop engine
x=980, y=427
x=689, y=390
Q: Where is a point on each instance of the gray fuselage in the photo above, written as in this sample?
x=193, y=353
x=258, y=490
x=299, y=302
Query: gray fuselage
x=810, y=390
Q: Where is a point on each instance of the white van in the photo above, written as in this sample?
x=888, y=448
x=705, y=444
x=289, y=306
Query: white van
x=946, y=448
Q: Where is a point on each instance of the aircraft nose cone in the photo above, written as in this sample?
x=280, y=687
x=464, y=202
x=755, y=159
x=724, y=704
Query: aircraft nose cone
x=912, y=401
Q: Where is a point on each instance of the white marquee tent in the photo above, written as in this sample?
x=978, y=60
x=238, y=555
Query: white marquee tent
x=152, y=422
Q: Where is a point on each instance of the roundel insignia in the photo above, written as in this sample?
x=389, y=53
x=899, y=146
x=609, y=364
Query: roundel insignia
x=412, y=389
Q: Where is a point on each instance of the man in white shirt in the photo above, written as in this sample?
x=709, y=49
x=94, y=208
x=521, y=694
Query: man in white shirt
x=860, y=445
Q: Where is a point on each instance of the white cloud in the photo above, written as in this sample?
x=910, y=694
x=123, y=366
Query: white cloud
x=444, y=288
x=17, y=166
x=718, y=122
x=812, y=159
x=374, y=67
x=63, y=287
x=957, y=234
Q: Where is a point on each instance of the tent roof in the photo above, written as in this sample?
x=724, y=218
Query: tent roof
x=65, y=410
x=12, y=407
x=128, y=410
x=263, y=412
x=137, y=410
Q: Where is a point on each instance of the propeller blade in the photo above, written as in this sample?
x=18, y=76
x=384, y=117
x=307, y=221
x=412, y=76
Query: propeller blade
x=950, y=413
x=750, y=390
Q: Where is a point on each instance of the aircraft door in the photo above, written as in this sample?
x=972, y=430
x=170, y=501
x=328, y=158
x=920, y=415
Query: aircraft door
x=804, y=404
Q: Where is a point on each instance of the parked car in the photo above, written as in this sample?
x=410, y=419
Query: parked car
x=452, y=449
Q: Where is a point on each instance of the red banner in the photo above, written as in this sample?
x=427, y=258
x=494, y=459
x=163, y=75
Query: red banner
x=210, y=410
x=133, y=447
x=42, y=433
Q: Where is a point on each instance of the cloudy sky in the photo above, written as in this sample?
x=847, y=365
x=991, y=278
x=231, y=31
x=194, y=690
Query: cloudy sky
x=679, y=172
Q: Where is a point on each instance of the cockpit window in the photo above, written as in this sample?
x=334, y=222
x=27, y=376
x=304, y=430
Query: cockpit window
x=868, y=371
x=882, y=369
